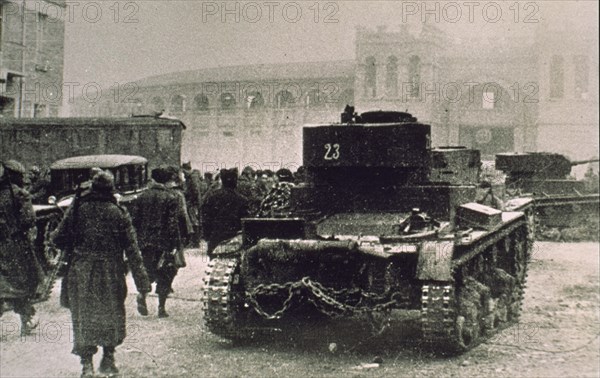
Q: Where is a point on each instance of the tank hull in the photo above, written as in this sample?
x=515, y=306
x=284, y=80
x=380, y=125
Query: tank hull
x=465, y=287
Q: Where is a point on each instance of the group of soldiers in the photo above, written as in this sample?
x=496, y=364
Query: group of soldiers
x=102, y=240
x=216, y=205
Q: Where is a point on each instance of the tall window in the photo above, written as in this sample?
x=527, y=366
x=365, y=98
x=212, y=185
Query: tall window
x=582, y=75
x=414, y=75
x=254, y=100
x=488, y=99
x=557, y=77
x=41, y=25
x=157, y=104
x=370, y=77
x=227, y=101
x=284, y=99
x=178, y=103
x=391, y=76
x=201, y=102
x=315, y=98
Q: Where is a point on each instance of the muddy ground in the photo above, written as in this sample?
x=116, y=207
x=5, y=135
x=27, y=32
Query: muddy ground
x=557, y=336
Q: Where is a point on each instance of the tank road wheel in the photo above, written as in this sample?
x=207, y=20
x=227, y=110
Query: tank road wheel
x=223, y=299
x=472, y=321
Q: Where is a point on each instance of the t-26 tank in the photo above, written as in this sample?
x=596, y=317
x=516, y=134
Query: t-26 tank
x=383, y=223
x=564, y=208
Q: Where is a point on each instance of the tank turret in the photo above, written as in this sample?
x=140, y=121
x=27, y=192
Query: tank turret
x=537, y=165
x=360, y=164
x=540, y=172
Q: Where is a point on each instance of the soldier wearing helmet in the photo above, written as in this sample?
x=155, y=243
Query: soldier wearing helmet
x=157, y=216
x=20, y=271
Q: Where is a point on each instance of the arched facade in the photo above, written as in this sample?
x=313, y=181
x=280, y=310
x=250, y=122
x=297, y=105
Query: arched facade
x=518, y=100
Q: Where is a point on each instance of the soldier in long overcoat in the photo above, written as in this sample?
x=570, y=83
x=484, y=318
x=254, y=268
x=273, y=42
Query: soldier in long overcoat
x=157, y=215
x=192, y=187
x=20, y=271
x=99, y=232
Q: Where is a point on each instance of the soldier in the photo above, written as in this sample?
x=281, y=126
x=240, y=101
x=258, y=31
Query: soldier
x=248, y=187
x=156, y=216
x=98, y=231
x=20, y=271
x=277, y=202
x=192, y=192
x=208, y=178
x=222, y=211
x=176, y=183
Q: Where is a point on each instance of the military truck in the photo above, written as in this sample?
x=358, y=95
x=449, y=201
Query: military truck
x=562, y=204
x=384, y=223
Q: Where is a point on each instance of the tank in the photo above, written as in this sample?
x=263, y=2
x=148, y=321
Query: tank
x=383, y=224
x=565, y=208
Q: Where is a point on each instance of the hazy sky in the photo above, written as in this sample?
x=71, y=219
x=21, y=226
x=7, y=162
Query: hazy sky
x=109, y=41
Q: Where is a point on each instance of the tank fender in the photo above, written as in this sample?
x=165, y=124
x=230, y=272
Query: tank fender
x=435, y=261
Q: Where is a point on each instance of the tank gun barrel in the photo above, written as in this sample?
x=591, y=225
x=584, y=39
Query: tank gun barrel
x=579, y=162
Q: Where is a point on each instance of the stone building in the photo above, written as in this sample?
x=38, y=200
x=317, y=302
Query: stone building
x=535, y=92
x=31, y=57
x=238, y=115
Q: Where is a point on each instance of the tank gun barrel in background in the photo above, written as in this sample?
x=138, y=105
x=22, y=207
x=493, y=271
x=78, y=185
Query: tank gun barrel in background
x=579, y=162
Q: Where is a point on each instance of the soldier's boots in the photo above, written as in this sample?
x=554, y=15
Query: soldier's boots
x=28, y=324
x=141, y=304
x=87, y=367
x=162, y=313
x=162, y=301
x=107, y=365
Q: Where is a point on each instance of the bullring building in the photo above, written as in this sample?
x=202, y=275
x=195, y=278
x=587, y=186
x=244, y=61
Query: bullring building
x=539, y=96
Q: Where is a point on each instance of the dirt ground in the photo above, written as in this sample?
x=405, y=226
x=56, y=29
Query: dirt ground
x=557, y=336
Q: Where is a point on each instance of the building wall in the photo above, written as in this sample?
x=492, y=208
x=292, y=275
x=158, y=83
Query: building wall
x=445, y=84
x=31, y=58
x=226, y=128
x=568, y=122
x=523, y=115
x=455, y=87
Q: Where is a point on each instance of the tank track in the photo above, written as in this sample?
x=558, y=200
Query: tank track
x=221, y=299
x=456, y=316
